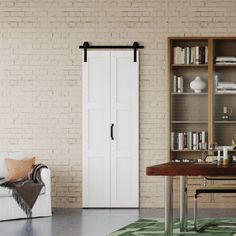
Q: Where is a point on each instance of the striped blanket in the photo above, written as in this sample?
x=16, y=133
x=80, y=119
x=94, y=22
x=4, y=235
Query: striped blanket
x=27, y=190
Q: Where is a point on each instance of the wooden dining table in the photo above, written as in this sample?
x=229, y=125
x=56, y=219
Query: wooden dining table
x=183, y=170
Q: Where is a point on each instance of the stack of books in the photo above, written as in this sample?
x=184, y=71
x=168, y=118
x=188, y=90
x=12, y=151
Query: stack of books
x=190, y=140
x=191, y=55
x=178, y=84
x=226, y=60
x=226, y=87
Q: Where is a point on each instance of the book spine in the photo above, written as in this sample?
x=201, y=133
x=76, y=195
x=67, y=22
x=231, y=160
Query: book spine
x=188, y=55
x=182, y=58
x=172, y=142
x=202, y=55
x=185, y=141
x=175, y=84
x=179, y=141
x=190, y=141
x=200, y=140
x=197, y=55
x=206, y=54
x=192, y=55
x=180, y=88
x=194, y=141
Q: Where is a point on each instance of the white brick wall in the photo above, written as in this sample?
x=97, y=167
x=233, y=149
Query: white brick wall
x=40, y=76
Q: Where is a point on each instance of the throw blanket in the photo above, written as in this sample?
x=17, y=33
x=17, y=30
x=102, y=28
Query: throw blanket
x=26, y=191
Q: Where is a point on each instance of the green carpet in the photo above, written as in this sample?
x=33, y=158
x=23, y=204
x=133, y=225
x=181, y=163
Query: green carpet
x=155, y=227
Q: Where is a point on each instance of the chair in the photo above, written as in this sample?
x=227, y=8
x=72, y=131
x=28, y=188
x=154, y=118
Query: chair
x=212, y=189
x=10, y=209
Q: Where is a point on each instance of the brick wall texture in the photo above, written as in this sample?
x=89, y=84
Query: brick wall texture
x=40, y=78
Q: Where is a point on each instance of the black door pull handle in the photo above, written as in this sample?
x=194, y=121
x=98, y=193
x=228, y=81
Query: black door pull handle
x=112, y=126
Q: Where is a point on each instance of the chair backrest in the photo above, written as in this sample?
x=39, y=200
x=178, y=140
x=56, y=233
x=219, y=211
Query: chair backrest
x=12, y=155
x=212, y=158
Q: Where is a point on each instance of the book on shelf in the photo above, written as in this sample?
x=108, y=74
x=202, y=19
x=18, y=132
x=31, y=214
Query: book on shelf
x=190, y=140
x=178, y=84
x=191, y=55
x=231, y=60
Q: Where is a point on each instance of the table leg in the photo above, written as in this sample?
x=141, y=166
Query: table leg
x=183, y=204
x=168, y=205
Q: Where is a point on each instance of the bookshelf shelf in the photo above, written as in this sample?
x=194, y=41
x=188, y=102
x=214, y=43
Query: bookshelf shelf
x=225, y=122
x=189, y=65
x=225, y=94
x=187, y=150
x=225, y=65
x=188, y=122
x=193, y=94
x=199, y=113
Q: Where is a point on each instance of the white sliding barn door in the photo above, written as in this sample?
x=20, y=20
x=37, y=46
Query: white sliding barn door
x=110, y=99
x=124, y=116
x=96, y=130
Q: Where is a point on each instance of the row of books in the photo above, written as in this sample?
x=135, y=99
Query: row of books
x=191, y=55
x=226, y=87
x=178, y=86
x=190, y=140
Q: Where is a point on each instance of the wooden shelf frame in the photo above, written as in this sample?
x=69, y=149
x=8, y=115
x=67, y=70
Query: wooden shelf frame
x=215, y=45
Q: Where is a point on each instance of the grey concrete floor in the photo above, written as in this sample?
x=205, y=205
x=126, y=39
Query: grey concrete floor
x=91, y=222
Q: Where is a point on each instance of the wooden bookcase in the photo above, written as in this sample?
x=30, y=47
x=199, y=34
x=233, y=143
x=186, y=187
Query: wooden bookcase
x=189, y=111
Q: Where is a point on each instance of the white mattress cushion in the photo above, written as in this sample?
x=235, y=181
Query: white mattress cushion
x=12, y=155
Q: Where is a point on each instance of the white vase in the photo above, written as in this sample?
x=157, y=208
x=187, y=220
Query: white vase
x=197, y=84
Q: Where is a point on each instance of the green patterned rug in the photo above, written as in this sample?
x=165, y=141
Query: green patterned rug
x=155, y=227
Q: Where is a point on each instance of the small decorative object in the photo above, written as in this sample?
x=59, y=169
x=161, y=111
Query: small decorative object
x=234, y=142
x=225, y=155
x=197, y=84
x=227, y=112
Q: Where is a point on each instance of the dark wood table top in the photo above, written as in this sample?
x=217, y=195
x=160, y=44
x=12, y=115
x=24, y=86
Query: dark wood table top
x=191, y=169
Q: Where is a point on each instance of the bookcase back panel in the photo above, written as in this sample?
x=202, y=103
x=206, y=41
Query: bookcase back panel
x=224, y=133
x=189, y=127
x=189, y=43
x=187, y=155
x=189, y=108
x=225, y=47
x=226, y=74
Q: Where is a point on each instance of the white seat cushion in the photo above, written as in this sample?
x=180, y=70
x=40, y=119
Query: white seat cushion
x=4, y=192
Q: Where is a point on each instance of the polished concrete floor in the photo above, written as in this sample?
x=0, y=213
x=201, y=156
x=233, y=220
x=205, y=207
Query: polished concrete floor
x=100, y=222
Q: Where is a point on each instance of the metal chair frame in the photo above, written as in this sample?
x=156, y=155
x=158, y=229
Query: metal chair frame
x=212, y=189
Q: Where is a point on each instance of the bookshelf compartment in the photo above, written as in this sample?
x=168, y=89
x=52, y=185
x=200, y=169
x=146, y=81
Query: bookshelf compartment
x=186, y=155
x=225, y=47
x=189, y=74
x=224, y=133
x=191, y=108
x=220, y=103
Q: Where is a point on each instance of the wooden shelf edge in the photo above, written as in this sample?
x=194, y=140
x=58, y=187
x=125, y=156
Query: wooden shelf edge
x=194, y=94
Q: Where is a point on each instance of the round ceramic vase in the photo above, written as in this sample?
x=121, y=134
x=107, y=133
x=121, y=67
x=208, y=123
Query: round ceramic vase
x=197, y=85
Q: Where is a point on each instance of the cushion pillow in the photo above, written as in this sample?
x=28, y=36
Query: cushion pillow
x=18, y=169
x=13, y=155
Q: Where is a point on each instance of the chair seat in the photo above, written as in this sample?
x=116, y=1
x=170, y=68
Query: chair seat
x=216, y=189
x=220, y=178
